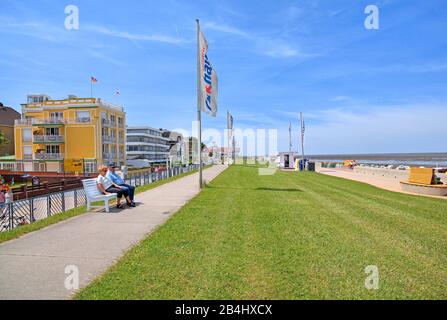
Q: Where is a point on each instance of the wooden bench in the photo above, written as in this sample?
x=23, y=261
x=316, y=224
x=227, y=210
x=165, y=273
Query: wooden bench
x=92, y=194
x=422, y=181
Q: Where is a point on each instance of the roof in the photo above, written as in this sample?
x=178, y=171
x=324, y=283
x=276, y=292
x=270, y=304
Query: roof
x=8, y=115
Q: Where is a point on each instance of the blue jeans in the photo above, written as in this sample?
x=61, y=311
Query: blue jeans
x=130, y=189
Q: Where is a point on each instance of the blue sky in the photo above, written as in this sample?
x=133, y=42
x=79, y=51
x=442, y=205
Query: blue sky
x=362, y=91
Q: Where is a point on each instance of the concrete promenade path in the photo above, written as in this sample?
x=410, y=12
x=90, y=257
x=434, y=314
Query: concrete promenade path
x=33, y=266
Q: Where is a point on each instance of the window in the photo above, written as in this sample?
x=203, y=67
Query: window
x=83, y=115
x=56, y=115
x=52, y=131
x=90, y=167
x=53, y=149
x=27, y=135
x=27, y=152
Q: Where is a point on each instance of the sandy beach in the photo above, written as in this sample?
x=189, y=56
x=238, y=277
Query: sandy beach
x=387, y=183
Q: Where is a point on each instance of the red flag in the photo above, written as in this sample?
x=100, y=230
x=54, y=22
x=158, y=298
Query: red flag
x=94, y=80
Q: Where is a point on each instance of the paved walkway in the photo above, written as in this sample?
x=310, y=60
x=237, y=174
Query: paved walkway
x=33, y=266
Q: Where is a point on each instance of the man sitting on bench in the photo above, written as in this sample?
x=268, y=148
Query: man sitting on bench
x=116, y=179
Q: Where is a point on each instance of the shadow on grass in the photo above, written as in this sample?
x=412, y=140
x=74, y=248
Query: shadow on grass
x=279, y=189
x=258, y=189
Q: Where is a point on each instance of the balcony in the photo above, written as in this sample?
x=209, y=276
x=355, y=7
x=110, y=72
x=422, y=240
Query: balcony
x=23, y=122
x=48, y=139
x=113, y=124
x=27, y=157
x=52, y=121
x=105, y=122
x=108, y=156
x=109, y=139
x=49, y=122
x=85, y=120
x=121, y=140
x=49, y=156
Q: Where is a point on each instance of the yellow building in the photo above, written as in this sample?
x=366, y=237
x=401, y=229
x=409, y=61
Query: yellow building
x=51, y=131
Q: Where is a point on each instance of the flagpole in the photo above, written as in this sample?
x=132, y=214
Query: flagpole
x=199, y=111
x=290, y=136
x=302, y=136
x=91, y=88
x=228, y=137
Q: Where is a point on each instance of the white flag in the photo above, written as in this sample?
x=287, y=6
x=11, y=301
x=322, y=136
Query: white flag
x=208, y=80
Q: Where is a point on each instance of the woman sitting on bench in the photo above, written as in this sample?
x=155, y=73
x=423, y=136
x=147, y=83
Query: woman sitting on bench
x=106, y=186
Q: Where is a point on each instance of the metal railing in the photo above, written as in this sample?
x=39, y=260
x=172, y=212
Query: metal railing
x=27, y=211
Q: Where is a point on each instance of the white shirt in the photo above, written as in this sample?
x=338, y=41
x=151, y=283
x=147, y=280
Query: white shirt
x=104, y=181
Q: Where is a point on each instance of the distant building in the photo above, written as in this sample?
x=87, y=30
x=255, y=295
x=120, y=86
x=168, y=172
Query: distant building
x=177, y=147
x=191, y=150
x=146, y=146
x=7, y=117
x=52, y=131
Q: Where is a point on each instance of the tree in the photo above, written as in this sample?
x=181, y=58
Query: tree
x=3, y=140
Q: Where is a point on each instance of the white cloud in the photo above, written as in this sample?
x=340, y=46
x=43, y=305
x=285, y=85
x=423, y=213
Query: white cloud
x=274, y=47
x=341, y=98
x=280, y=50
x=224, y=28
x=38, y=30
x=133, y=36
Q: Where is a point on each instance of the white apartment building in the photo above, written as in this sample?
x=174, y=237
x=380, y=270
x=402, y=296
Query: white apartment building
x=146, y=146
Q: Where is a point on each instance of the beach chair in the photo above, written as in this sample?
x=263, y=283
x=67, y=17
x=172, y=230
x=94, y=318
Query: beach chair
x=92, y=194
x=422, y=176
x=422, y=181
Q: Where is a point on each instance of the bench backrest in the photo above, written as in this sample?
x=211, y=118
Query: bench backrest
x=422, y=176
x=91, y=188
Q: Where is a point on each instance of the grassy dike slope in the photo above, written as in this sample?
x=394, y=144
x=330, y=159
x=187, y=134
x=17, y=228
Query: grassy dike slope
x=287, y=236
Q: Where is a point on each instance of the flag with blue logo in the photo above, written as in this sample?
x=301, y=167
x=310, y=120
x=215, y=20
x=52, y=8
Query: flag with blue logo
x=208, y=80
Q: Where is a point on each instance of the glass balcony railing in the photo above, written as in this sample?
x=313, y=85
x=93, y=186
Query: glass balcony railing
x=49, y=156
x=108, y=139
x=52, y=121
x=48, y=139
x=80, y=120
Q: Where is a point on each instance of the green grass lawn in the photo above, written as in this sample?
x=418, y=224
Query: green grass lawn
x=287, y=236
